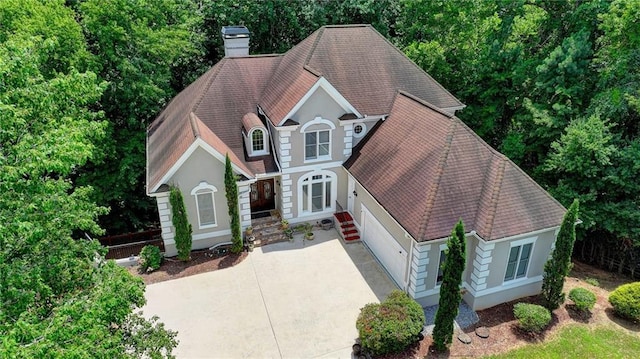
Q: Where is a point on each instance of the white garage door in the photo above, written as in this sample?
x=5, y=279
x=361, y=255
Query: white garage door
x=384, y=247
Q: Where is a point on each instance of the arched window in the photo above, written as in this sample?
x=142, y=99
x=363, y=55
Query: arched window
x=257, y=141
x=317, y=192
x=205, y=204
x=317, y=141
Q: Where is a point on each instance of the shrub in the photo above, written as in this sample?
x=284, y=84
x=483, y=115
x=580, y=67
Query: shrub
x=181, y=223
x=532, y=317
x=150, y=258
x=584, y=299
x=391, y=326
x=594, y=282
x=626, y=301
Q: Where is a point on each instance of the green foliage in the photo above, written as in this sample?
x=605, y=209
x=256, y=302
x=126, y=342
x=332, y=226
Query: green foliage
x=58, y=297
x=531, y=317
x=181, y=223
x=584, y=299
x=594, y=282
x=626, y=301
x=450, y=295
x=391, y=326
x=150, y=258
x=559, y=265
x=231, y=192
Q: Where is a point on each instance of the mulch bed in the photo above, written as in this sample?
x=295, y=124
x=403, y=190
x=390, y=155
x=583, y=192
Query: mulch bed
x=201, y=262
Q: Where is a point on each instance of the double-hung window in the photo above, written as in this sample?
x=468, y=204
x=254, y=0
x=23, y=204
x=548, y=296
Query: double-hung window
x=518, y=262
x=205, y=205
x=317, y=145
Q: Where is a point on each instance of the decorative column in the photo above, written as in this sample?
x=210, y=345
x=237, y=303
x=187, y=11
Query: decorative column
x=287, y=194
x=244, y=203
x=348, y=140
x=419, y=263
x=164, y=210
x=481, y=265
x=285, y=148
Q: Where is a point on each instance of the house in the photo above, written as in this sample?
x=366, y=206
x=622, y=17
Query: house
x=344, y=122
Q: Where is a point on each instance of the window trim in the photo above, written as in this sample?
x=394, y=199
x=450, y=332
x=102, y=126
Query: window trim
x=205, y=188
x=519, y=243
x=303, y=131
x=442, y=248
x=307, y=179
x=265, y=145
x=362, y=133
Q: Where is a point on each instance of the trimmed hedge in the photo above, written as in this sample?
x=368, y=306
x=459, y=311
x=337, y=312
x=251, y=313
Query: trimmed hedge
x=626, y=301
x=150, y=258
x=532, y=317
x=391, y=326
x=584, y=299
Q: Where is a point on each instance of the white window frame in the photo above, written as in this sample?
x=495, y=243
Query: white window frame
x=443, y=248
x=304, y=132
x=327, y=176
x=202, y=189
x=265, y=143
x=519, y=243
x=362, y=133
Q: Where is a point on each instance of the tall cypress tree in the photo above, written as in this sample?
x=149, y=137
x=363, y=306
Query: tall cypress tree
x=450, y=295
x=559, y=265
x=181, y=223
x=231, y=191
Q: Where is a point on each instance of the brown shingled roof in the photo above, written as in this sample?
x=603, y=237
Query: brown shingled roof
x=429, y=170
x=219, y=99
x=360, y=63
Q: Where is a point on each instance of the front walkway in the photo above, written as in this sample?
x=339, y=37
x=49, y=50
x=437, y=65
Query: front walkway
x=286, y=300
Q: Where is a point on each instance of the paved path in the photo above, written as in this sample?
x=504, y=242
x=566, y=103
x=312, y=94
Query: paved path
x=286, y=300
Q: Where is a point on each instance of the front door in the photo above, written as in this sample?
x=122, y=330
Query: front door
x=262, y=196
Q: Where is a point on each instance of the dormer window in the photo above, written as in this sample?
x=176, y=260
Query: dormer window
x=257, y=141
x=256, y=137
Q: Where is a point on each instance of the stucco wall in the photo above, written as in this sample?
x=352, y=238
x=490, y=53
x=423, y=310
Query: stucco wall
x=201, y=166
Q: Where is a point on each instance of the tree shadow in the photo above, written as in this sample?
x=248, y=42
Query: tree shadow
x=625, y=323
x=578, y=315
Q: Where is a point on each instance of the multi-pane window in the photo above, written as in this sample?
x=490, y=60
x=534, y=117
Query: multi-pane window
x=518, y=261
x=205, y=204
x=257, y=141
x=316, y=193
x=317, y=144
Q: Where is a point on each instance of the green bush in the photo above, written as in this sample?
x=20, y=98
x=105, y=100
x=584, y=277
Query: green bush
x=532, y=317
x=626, y=301
x=391, y=326
x=594, y=282
x=584, y=299
x=150, y=258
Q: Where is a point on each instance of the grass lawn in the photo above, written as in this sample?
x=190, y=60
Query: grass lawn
x=580, y=341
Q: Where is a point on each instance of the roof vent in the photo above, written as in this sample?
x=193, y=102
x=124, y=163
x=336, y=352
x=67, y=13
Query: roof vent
x=236, y=41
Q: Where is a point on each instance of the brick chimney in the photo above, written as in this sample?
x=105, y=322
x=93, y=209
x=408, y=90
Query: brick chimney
x=236, y=41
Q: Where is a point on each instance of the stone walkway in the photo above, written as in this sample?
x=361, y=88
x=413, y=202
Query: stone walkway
x=466, y=318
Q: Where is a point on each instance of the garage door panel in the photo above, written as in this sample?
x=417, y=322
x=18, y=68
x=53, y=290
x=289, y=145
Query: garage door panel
x=384, y=246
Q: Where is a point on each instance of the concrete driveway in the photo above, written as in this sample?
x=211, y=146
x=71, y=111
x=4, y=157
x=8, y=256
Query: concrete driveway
x=286, y=300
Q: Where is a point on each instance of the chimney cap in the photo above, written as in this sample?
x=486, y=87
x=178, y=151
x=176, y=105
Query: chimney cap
x=233, y=32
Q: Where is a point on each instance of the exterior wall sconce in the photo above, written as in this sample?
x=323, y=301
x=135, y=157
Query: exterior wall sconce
x=355, y=193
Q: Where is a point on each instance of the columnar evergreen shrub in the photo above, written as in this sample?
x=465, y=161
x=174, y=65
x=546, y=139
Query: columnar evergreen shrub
x=150, y=258
x=584, y=299
x=532, y=317
x=181, y=223
x=391, y=326
x=450, y=295
x=231, y=192
x=559, y=265
x=626, y=301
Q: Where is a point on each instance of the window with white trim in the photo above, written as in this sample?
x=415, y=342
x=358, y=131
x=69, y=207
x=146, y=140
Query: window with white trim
x=316, y=192
x=359, y=130
x=205, y=204
x=443, y=257
x=518, y=262
x=257, y=141
x=317, y=145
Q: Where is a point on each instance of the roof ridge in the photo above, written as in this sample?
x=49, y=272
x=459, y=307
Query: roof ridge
x=423, y=102
x=433, y=191
x=415, y=65
x=345, y=25
x=311, y=52
x=493, y=207
x=194, y=124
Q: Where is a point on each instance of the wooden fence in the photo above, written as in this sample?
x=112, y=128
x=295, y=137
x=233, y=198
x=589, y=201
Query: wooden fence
x=130, y=244
x=624, y=260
